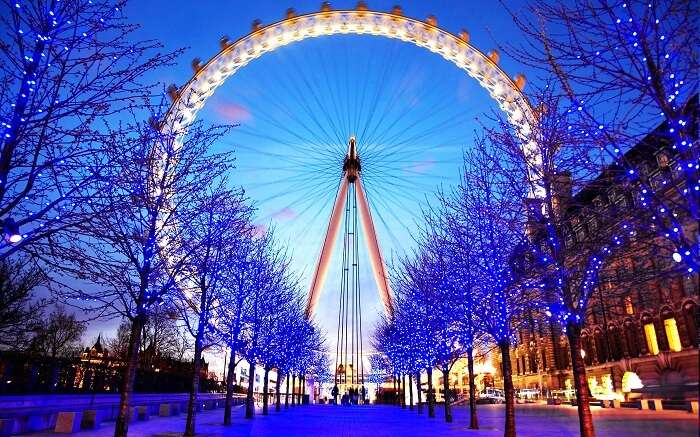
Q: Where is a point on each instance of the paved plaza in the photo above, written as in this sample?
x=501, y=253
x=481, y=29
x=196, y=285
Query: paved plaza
x=389, y=421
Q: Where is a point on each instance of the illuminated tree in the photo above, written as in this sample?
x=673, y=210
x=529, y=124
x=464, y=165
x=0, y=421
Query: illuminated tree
x=65, y=67
x=624, y=68
x=457, y=236
x=210, y=240
x=273, y=288
x=557, y=259
x=235, y=304
x=492, y=210
x=133, y=250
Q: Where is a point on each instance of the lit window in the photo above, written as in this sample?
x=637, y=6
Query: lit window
x=650, y=334
x=674, y=340
x=629, y=308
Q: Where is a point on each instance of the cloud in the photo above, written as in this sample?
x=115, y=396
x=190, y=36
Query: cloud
x=284, y=214
x=421, y=166
x=259, y=230
x=232, y=112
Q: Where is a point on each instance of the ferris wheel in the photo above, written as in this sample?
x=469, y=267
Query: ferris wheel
x=348, y=134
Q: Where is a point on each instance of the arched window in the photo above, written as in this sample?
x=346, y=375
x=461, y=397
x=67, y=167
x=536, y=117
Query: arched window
x=690, y=312
x=615, y=342
x=565, y=354
x=586, y=349
x=670, y=339
x=544, y=359
x=631, y=339
x=601, y=346
x=533, y=361
x=674, y=339
x=650, y=335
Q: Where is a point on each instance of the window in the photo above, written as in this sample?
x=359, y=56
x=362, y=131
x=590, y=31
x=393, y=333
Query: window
x=674, y=340
x=650, y=334
x=631, y=339
x=629, y=308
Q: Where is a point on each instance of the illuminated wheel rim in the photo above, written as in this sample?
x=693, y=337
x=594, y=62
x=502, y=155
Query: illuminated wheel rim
x=208, y=77
x=189, y=99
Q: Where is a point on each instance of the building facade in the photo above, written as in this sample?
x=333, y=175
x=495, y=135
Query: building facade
x=640, y=337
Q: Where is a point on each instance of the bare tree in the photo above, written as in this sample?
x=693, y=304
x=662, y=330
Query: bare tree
x=210, y=239
x=19, y=311
x=59, y=335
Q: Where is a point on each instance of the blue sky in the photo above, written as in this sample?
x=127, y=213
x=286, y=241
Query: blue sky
x=412, y=111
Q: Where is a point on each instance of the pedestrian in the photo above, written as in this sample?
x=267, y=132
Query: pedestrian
x=334, y=392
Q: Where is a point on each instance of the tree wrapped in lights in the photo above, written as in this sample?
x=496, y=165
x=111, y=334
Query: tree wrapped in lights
x=134, y=249
x=624, y=68
x=210, y=242
x=274, y=287
x=490, y=209
x=236, y=304
x=299, y=345
x=421, y=328
x=65, y=67
x=456, y=238
x=569, y=244
x=439, y=264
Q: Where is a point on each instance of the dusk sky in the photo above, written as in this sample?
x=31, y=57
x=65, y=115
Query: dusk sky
x=412, y=111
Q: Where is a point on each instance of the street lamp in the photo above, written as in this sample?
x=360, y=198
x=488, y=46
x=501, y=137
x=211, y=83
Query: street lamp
x=11, y=230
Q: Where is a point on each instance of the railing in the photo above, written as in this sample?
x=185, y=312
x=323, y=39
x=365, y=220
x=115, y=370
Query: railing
x=39, y=412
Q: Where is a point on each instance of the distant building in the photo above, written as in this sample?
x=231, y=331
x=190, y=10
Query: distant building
x=96, y=354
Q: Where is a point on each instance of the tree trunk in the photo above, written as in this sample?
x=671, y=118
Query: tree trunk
x=302, y=388
x=410, y=390
x=286, y=395
x=249, y=401
x=402, y=390
x=294, y=386
x=504, y=346
x=396, y=391
x=419, y=387
x=445, y=391
x=122, y=426
x=278, y=400
x=585, y=419
x=431, y=397
x=229, y=387
x=194, y=389
x=473, y=422
x=265, y=387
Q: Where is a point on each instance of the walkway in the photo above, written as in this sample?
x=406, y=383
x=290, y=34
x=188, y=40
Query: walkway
x=389, y=421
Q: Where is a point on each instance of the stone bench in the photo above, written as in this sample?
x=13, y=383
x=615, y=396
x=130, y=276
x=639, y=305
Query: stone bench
x=610, y=403
x=6, y=426
x=68, y=422
x=646, y=403
x=167, y=410
x=142, y=412
x=91, y=419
